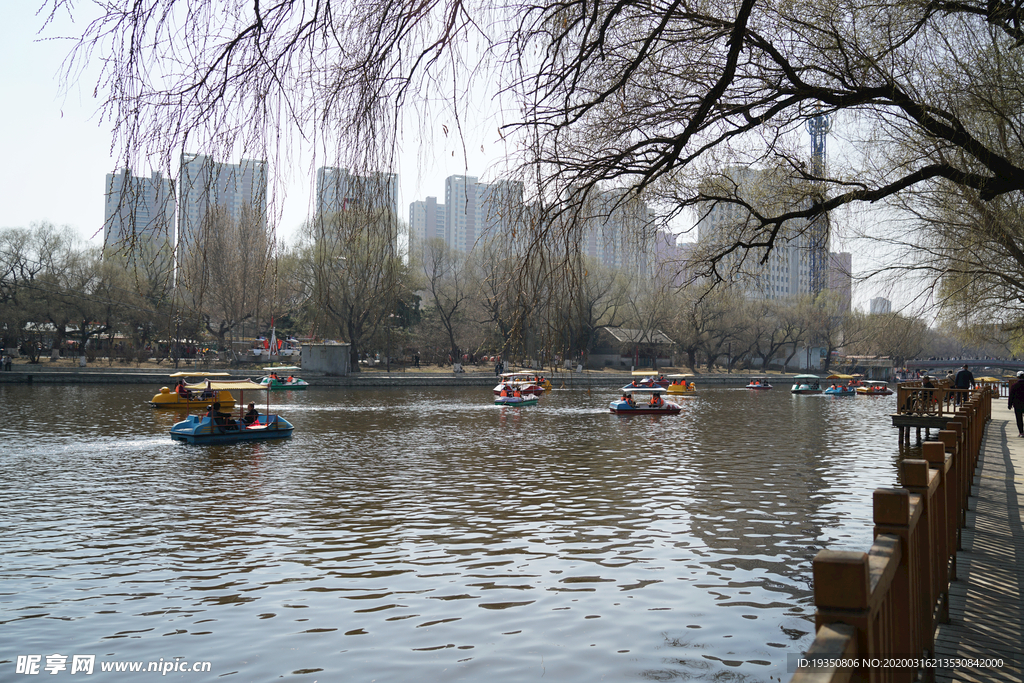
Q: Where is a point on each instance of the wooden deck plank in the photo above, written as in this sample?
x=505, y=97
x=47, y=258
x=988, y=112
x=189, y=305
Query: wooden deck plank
x=985, y=602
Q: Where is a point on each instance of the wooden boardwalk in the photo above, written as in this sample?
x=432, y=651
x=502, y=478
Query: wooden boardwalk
x=986, y=602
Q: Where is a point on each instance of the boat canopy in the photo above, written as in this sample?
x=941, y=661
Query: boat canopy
x=839, y=376
x=877, y=383
x=687, y=375
x=645, y=390
x=646, y=373
x=283, y=367
x=230, y=385
x=201, y=374
x=814, y=377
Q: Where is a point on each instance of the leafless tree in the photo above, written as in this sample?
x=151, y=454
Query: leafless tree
x=648, y=96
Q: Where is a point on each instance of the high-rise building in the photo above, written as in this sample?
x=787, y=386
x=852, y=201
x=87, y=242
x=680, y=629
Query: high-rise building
x=475, y=210
x=205, y=184
x=426, y=222
x=617, y=232
x=787, y=270
x=138, y=212
x=339, y=190
x=880, y=306
x=840, y=278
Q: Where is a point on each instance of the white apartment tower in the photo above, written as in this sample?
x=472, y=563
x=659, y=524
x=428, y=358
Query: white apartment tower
x=840, y=278
x=205, y=184
x=426, y=222
x=339, y=190
x=474, y=210
x=880, y=306
x=618, y=231
x=787, y=272
x=137, y=210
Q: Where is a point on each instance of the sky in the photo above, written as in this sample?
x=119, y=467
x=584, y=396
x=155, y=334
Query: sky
x=58, y=152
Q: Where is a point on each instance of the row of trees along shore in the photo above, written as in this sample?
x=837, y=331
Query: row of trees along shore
x=352, y=287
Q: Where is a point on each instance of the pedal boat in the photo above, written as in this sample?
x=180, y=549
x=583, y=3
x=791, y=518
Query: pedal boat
x=840, y=390
x=201, y=429
x=516, y=401
x=527, y=382
x=278, y=384
x=874, y=388
x=168, y=398
x=643, y=379
x=679, y=386
x=806, y=384
x=644, y=401
x=759, y=384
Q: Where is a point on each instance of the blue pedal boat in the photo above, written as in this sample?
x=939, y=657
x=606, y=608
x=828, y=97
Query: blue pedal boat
x=204, y=429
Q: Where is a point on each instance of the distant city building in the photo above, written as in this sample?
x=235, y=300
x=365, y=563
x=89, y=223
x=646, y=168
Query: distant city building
x=840, y=278
x=880, y=306
x=138, y=212
x=618, y=232
x=426, y=222
x=205, y=184
x=475, y=210
x=471, y=211
x=787, y=271
x=338, y=190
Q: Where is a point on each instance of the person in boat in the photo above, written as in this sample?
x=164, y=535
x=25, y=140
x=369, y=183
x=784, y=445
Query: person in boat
x=291, y=378
x=181, y=390
x=633, y=384
x=656, y=401
x=252, y=415
x=222, y=420
x=207, y=392
x=517, y=393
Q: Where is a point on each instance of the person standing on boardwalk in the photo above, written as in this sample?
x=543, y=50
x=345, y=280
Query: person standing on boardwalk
x=964, y=380
x=1016, y=402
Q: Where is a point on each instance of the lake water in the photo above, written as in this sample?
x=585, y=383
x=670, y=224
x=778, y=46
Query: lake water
x=429, y=535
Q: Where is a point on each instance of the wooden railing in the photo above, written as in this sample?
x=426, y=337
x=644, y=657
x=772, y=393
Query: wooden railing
x=884, y=605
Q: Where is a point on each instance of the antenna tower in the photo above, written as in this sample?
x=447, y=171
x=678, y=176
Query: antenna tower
x=817, y=232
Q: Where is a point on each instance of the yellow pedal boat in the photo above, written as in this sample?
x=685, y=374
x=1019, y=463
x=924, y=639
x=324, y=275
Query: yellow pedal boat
x=196, y=394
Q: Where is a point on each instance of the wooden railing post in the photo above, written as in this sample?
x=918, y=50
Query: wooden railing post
x=899, y=513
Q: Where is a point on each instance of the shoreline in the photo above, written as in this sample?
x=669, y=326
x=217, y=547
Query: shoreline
x=40, y=374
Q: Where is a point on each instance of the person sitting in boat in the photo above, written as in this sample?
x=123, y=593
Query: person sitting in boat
x=517, y=393
x=252, y=416
x=656, y=401
x=208, y=391
x=181, y=390
x=220, y=419
x=633, y=384
x=291, y=378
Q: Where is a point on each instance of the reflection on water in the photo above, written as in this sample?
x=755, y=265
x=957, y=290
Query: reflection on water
x=427, y=534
